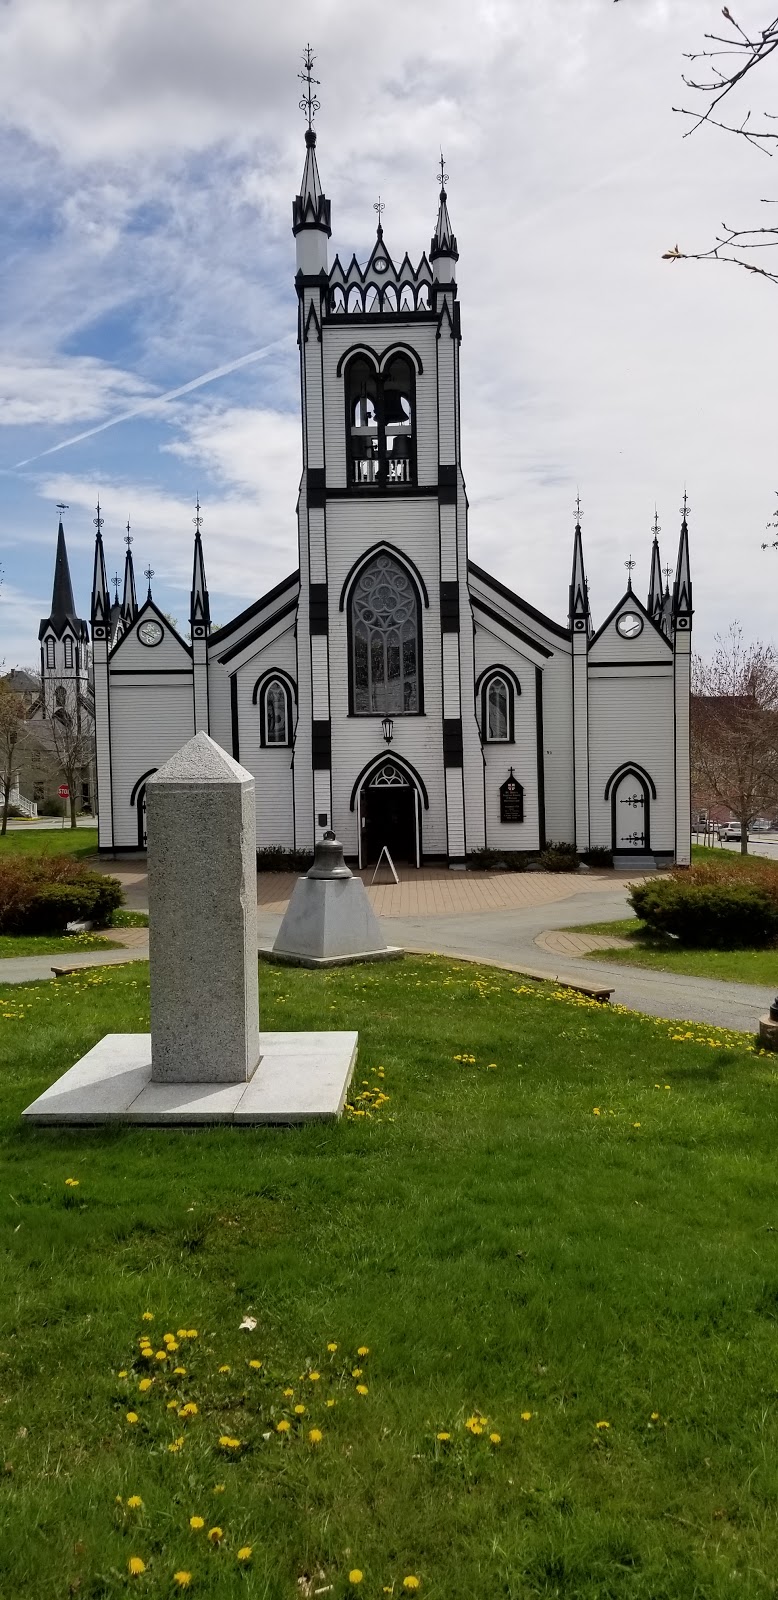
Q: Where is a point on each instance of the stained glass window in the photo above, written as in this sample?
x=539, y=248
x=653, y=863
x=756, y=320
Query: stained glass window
x=275, y=713
x=385, y=640
x=497, y=710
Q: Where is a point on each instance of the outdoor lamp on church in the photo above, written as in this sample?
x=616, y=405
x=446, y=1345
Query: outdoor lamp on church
x=387, y=729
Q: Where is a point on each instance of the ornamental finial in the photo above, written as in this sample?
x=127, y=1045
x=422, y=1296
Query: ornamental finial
x=98, y=521
x=685, y=508
x=61, y=507
x=379, y=205
x=578, y=511
x=630, y=565
x=656, y=526
x=148, y=574
x=309, y=103
x=197, y=519
x=128, y=536
x=441, y=176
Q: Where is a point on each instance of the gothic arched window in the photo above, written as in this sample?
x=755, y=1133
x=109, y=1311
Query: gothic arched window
x=68, y=653
x=380, y=407
x=497, y=707
x=385, y=636
x=50, y=656
x=275, y=713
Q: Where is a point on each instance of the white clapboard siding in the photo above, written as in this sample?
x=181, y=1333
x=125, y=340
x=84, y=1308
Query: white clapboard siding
x=317, y=549
x=271, y=768
x=631, y=719
x=446, y=396
x=449, y=551
x=219, y=705
x=150, y=720
x=451, y=697
x=320, y=677
x=558, y=748
x=522, y=755
x=472, y=754
x=650, y=644
x=455, y=811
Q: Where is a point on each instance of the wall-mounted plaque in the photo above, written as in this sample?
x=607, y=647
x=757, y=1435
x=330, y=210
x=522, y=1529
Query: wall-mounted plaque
x=511, y=800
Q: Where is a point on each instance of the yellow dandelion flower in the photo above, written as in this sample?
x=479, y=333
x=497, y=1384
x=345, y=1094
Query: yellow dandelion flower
x=443, y=1437
x=191, y=1333
x=315, y=1435
x=132, y=1416
x=145, y=1383
x=148, y=1316
x=135, y=1566
x=475, y=1422
x=216, y=1535
x=603, y=1424
x=329, y=1403
x=495, y=1438
x=299, y=1410
x=72, y=1183
x=288, y=1394
x=411, y=1582
x=218, y=1488
x=160, y=1355
x=364, y=1350
x=182, y=1333
x=147, y=1352
x=189, y=1410
x=356, y=1372
x=256, y=1365
x=183, y=1579
x=283, y=1426
x=123, y=1373
x=525, y=1416
x=636, y=1124
x=596, y=1111
x=225, y=1369
x=654, y=1416
x=314, y=1376
x=167, y=1337
x=197, y=1522
x=172, y=1405
x=332, y=1348
x=362, y=1388
x=179, y=1372
x=171, y=1345
x=134, y=1502
x=178, y=1444
x=119, y=1500
x=245, y=1553
x=355, y=1575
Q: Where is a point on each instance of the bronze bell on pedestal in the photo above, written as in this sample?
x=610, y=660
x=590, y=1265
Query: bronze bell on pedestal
x=328, y=859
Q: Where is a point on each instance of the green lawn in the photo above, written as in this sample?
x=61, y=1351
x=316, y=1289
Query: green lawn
x=560, y=1226
x=757, y=965
x=44, y=944
x=49, y=842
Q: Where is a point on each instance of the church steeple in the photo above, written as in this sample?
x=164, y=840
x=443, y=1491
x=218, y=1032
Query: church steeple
x=580, y=616
x=443, y=247
x=682, y=588
x=101, y=600
x=310, y=208
x=62, y=603
x=655, y=592
x=199, y=605
x=129, y=597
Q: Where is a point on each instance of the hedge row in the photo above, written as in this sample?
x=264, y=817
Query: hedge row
x=42, y=894
x=712, y=905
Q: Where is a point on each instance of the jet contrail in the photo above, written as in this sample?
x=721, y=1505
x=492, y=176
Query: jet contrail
x=159, y=400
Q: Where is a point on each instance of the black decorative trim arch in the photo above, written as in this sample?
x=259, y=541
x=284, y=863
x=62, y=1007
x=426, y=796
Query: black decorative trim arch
x=397, y=555
x=140, y=782
x=640, y=773
x=357, y=350
x=275, y=675
x=482, y=693
x=398, y=761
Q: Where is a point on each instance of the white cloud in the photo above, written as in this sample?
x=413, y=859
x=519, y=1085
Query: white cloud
x=59, y=392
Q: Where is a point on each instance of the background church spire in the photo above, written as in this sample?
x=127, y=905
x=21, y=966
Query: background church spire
x=310, y=208
x=579, y=588
x=655, y=592
x=443, y=247
x=129, y=597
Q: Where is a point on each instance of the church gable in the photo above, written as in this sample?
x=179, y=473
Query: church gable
x=151, y=644
x=628, y=637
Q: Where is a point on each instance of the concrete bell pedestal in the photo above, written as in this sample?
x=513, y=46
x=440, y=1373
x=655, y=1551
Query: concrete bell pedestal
x=205, y=1059
x=768, y=1028
x=329, y=921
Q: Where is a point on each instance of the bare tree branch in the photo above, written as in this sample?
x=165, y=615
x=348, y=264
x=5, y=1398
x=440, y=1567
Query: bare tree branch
x=748, y=53
x=734, y=722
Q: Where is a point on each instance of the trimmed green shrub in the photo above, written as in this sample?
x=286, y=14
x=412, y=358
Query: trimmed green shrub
x=41, y=894
x=714, y=915
x=559, y=858
x=272, y=860
x=598, y=856
x=483, y=860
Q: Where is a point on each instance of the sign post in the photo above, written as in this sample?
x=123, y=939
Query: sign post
x=64, y=794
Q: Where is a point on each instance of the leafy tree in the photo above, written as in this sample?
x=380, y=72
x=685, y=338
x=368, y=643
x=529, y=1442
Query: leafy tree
x=734, y=727
x=13, y=717
x=71, y=724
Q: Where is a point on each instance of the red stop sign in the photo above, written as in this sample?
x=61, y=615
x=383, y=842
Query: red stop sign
x=64, y=792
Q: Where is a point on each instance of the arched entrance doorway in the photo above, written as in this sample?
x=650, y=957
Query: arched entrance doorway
x=630, y=813
x=389, y=813
x=138, y=800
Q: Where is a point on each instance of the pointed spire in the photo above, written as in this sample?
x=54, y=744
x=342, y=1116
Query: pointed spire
x=199, y=606
x=579, y=589
x=655, y=590
x=444, y=242
x=148, y=573
x=682, y=588
x=101, y=600
x=311, y=208
x=62, y=603
x=129, y=597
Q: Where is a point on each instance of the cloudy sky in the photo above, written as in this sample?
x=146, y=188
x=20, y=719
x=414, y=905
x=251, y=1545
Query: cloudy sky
x=149, y=152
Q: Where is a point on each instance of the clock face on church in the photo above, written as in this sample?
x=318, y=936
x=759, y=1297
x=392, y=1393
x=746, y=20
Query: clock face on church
x=629, y=625
x=150, y=632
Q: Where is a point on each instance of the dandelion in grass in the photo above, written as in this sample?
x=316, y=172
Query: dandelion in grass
x=411, y=1582
x=603, y=1424
x=189, y=1410
x=135, y=1566
x=356, y=1372
x=218, y=1488
x=526, y=1416
x=148, y=1316
x=172, y=1405
x=197, y=1523
x=362, y=1388
x=123, y=1373
x=654, y=1416
x=132, y=1417
x=299, y=1411
x=256, y=1365
x=134, y=1502
x=288, y=1394
x=245, y=1553
x=179, y=1372
x=225, y=1369
x=332, y=1348
x=178, y=1444
x=356, y=1575
x=330, y=1403
x=314, y=1376
x=216, y=1535
x=183, y=1579
x=145, y=1384
x=283, y=1426
x=160, y=1355
x=191, y=1333
x=72, y=1183
x=495, y=1438
x=364, y=1350
x=443, y=1438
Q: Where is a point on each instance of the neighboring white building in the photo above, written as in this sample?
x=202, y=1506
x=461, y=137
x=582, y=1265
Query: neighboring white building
x=390, y=689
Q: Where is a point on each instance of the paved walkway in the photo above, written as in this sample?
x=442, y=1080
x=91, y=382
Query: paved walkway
x=497, y=918
x=561, y=942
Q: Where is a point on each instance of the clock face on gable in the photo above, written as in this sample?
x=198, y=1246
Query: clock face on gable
x=150, y=632
x=629, y=625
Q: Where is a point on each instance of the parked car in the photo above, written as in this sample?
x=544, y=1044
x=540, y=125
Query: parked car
x=730, y=831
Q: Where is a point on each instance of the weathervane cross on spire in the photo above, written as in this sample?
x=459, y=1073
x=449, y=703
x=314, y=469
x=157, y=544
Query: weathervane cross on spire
x=441, y=175
x=655, y=526
x=685, y=508
x=198, y=520
x=630, y=566
x=128, y=536
x=379, y=205
x=148, y=575
x=578, y=511
x=309, y=103
x=98, y=520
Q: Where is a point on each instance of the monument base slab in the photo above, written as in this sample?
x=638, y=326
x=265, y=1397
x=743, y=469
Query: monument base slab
x=302, y=1077
x=283, y=958
x=768, y=1033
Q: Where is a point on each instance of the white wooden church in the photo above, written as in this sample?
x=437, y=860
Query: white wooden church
x=390, y=689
